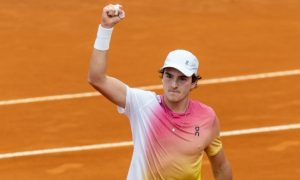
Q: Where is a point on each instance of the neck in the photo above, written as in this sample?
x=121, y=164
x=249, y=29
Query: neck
x=178, y=107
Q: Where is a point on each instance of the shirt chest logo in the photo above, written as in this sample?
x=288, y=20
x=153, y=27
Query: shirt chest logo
x=197, y=131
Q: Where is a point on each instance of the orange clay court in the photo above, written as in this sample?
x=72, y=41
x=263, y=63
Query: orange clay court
x=45, y=50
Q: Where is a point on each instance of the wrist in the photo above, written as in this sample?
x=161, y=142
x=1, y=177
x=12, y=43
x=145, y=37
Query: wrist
x=106, y=26
x=103, y=38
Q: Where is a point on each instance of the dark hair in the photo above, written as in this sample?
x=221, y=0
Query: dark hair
x=195, y=78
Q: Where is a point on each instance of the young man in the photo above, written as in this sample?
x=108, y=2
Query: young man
x=170, y=131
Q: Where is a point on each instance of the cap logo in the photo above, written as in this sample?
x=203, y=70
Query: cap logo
x=187, y=62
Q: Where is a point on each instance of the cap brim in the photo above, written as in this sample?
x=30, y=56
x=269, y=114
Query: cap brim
x=184, y=71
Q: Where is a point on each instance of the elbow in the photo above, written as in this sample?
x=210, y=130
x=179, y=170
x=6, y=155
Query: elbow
x=90, y=81
x=95, y=80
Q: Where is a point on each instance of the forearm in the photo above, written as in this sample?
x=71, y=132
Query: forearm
x=98, y=62
x=223, y=173
x=220, y=166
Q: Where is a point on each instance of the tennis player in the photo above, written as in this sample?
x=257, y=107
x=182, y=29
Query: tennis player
x=170, y=131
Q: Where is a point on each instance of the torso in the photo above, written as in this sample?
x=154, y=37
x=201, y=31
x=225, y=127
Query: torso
x=169, y=145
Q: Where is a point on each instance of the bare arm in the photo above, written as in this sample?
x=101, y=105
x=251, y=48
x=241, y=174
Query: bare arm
x=112, y=88
x=220, y=166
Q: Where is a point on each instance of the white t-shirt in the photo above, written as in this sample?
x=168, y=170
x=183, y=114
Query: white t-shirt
x=168, y=145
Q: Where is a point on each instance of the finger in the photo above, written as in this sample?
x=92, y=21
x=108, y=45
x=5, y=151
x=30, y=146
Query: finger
x=117, y=9
x=109, y=10
x=110, y=13
x=122, y=14
x=119, y=12
x=112, y=9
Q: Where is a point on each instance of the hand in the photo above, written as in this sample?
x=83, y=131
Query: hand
x=111, y=15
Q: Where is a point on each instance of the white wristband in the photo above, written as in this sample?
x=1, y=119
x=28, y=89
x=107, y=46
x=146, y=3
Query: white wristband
x=103, y=38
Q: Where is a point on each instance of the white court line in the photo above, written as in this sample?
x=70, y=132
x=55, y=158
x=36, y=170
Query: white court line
x=129, y=143
x=153, y=87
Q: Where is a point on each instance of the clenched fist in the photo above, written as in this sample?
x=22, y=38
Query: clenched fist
x=111, y=15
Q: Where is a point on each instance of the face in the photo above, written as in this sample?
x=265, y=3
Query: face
x=176, y=85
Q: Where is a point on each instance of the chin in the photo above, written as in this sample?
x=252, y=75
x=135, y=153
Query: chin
x=173, y=98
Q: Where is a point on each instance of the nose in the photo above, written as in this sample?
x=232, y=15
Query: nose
x=174, y=84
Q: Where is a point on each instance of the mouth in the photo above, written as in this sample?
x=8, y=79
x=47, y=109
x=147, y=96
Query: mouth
x=177, y=92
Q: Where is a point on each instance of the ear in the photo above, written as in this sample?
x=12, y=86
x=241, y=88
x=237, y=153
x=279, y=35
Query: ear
x=194, y=84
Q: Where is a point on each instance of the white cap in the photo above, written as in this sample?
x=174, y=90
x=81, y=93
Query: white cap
x=182, y=60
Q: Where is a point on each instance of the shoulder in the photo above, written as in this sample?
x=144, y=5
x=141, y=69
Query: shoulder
x=140, y=92
x=202, y=108
x=140, y=96
x=137, y=99
x=204, y=114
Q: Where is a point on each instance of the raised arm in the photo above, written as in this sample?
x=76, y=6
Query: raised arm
x=112, y=88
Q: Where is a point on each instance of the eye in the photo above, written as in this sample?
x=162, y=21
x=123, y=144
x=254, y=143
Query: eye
x=169, y=75
x=183, y=78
